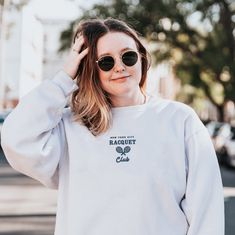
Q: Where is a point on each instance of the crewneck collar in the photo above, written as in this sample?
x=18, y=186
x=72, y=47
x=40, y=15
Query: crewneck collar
x=150, y=99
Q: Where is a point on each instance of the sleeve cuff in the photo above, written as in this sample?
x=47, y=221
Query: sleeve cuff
x=65, y=82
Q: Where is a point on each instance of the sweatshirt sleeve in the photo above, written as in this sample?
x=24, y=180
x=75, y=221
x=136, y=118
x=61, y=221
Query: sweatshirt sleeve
x=32, y=136
x=203, y=204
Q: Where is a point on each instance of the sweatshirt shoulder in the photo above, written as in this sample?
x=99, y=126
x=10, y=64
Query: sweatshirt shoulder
x=181, y=115
x=184, y=109
x=192, y=122
x=174, y=107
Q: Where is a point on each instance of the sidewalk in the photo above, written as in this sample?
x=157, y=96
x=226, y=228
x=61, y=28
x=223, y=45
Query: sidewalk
x=26, y=206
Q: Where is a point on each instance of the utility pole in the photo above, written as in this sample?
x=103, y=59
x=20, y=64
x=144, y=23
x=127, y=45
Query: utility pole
x=2, y=42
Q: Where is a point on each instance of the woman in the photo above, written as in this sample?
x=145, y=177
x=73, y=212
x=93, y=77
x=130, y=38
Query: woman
x=124, y=162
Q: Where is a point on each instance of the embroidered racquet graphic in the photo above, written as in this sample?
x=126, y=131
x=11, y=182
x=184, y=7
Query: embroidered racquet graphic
x=123, y=151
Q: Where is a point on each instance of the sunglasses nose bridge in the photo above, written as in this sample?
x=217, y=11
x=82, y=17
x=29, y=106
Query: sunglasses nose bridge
x=118, y=64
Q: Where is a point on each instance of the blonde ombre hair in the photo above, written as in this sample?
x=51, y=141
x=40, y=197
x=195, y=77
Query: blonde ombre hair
x=90, y=104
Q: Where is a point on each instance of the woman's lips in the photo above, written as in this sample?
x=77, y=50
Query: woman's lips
x=120, y=78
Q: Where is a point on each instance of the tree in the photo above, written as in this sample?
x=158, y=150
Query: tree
x=203, y=55
x=6, y=6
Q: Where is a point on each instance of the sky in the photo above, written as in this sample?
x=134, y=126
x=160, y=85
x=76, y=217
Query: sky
x=69, y=10
x=60, y=9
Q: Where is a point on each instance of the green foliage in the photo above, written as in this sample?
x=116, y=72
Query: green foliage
x=66, y=38
x=203, y=50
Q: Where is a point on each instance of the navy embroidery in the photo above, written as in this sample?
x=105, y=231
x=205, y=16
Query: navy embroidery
x=123, y=150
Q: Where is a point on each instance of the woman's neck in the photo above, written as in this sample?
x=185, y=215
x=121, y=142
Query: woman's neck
x=132, y=99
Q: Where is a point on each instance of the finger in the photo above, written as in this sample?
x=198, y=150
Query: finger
x=83, y=53
x=77, y=36
x=80, y=40
x=78, y=43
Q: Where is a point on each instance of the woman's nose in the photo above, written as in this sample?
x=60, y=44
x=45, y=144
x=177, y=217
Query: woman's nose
x=119, y=66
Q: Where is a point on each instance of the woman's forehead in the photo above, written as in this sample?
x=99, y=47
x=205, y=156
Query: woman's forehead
x=115, y=42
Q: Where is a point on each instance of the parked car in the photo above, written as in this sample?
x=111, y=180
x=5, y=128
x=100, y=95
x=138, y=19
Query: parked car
x=219, y=132
x=229, y=148
x=223, y=138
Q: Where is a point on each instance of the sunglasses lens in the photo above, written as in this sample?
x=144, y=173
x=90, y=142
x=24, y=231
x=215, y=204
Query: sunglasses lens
x=106, y=63
x=130, y=58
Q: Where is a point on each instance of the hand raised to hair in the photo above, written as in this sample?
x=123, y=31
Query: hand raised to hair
x=75, y=56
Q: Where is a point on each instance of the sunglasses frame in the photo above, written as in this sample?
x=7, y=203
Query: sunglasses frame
x=121, y=57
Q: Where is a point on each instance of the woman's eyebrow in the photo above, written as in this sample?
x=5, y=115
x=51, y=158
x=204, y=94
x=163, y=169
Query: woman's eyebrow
x=104, y=54
x=107, y=53
x=127, y=49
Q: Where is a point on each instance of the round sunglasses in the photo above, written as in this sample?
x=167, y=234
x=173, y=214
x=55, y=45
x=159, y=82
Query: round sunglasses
x=106, y=63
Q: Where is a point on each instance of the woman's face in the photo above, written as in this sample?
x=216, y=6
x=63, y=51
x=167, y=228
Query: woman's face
x=121, y=80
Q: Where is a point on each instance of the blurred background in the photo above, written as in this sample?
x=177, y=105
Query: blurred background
x=192, y=45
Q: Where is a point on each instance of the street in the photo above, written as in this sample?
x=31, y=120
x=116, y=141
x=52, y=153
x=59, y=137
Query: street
x=228, y=177
x=28, y=208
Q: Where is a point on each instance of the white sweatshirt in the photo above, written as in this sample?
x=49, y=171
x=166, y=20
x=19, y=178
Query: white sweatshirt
x=154, y=172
